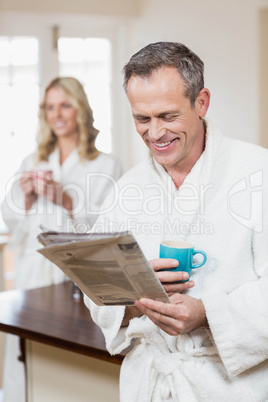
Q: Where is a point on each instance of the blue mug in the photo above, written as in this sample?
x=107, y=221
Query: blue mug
x=183, y=252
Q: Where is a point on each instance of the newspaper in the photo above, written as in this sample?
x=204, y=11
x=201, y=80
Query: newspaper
x=109, y=268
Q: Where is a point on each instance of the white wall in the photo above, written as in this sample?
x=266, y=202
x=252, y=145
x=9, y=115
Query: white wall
x=91, y=7
x=263, y=77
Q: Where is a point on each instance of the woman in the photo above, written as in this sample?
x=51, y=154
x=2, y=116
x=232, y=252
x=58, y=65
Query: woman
x=60, y=187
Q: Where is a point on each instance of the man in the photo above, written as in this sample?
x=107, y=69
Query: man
x=211, y=342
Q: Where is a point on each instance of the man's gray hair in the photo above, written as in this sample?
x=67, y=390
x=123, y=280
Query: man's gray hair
x=168, y=54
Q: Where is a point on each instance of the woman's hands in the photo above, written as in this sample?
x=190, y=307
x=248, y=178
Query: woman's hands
x=41, y=183
x=168, y=278
x=27, y=186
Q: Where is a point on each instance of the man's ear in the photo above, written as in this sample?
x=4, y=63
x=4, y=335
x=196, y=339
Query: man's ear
x=202, y=102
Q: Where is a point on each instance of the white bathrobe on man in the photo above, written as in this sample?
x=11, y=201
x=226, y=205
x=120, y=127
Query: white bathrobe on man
x=222, y=209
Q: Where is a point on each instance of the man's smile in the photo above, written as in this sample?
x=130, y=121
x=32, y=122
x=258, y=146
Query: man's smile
x=163, y=145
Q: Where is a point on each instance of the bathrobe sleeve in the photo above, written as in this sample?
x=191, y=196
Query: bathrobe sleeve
x=239, y=320
x=109, y=319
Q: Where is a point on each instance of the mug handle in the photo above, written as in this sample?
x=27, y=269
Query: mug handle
x=204, y=259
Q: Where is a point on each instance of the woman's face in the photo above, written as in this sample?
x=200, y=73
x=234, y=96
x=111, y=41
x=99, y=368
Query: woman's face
x=60, y=114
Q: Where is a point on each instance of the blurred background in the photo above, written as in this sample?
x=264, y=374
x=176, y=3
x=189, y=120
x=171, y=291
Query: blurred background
x=92, y=40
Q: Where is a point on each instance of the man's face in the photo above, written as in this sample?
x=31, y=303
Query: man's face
x=168, y=124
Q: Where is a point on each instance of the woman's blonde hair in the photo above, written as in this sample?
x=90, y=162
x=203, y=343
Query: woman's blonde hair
x=47, y=140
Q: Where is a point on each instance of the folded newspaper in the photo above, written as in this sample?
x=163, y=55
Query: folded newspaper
x=110, y=268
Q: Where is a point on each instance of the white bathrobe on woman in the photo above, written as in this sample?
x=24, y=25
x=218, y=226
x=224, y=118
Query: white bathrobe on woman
x=88, y=183
x=222, y=209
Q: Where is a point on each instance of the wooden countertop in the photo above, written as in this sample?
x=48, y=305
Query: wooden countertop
x=50, y=315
